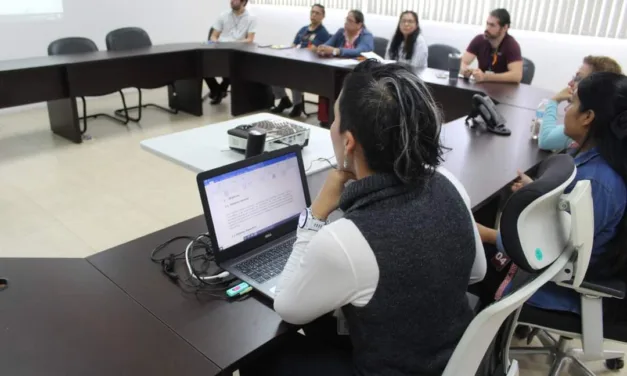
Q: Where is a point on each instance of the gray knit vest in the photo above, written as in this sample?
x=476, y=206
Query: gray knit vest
x=423, y=240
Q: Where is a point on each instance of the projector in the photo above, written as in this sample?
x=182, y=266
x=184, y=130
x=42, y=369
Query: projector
x=279, y=133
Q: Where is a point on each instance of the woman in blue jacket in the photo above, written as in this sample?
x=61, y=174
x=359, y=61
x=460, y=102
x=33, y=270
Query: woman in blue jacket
x=350, y=41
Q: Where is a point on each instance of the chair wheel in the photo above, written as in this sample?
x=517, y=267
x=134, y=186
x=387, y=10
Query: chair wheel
x=522, y=332
x=615, y=364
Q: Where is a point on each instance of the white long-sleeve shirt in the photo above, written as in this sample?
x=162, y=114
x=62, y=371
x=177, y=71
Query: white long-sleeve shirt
x=420, y=56
x=336, y=266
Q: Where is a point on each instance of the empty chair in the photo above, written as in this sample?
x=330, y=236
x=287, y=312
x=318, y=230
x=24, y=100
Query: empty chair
x=529, y=70
x=438, y=56
x=380, y=46
x=540, y=256
x=80, y=45
x=130, y=38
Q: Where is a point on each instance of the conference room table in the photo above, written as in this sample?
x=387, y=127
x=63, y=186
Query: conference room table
x=62, y=317
x=59, y=80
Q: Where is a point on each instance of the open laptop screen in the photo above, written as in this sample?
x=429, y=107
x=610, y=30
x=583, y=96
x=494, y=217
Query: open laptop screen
x=254, y=199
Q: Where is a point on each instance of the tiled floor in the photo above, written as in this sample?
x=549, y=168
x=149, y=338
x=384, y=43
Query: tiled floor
x=59, y=199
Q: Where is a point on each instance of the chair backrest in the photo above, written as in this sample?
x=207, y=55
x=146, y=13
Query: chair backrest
x=538, y=201
x=127, y=38
x=380, y=46
x=529, y=70
x=71, y=45
x=438, y=56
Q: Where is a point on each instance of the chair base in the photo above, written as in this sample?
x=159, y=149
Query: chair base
x=561, y=354
x=123, y=112
x=123, y=120
x=308, y=114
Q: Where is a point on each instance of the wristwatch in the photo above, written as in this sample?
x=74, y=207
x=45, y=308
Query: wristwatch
x=308, y=222
x=336, y=52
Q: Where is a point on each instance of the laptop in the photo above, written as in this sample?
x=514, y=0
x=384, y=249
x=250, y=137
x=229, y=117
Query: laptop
x=252, y=209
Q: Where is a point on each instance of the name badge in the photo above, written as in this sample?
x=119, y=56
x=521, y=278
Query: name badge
x=500, y=261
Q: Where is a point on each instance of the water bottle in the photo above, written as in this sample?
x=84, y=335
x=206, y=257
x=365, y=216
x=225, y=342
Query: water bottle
x=536, y=123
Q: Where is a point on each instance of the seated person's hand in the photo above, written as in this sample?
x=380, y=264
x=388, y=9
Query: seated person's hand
x=522, y=180
x=328, y=199
x=478, y=75
x=325, y=50
x=565, y=95
x=467, y=73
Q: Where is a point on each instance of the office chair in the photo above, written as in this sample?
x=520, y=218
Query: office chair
x=380, y=46
x=80, y=45
x=130, y=38
x=438, y=56
x=566, y=226
x=592, y=326
x=529, y=70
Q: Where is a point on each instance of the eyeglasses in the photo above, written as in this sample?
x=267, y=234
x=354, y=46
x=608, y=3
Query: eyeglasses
x=408, y=22
x=349, y=20
x=577, y=78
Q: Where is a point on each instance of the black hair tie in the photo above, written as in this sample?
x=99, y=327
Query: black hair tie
x=619, y=125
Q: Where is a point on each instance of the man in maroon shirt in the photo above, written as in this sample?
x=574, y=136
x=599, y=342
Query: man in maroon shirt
x=498, y=52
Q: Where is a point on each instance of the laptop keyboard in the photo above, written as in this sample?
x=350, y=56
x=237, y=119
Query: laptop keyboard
x=268, y=264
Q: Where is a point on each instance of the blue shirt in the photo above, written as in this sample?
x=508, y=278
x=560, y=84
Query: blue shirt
x=609, y=197
x=551, y=136
x=316, y=37
x=363, y=43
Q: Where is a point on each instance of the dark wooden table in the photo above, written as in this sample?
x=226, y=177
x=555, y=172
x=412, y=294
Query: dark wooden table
x=60, y=79
x=485, y=162
x=63, y=317
x=227, y=333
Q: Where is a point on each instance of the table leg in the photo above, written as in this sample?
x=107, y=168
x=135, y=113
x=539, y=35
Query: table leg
x=64, y=119
x=247, y=97
x=188, y=96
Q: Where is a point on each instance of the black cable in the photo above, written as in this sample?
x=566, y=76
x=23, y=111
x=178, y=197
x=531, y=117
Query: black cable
x=162, y=246
x=328, y=160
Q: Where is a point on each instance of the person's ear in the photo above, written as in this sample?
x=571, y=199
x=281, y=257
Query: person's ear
x=587, y=118
x=349, y=142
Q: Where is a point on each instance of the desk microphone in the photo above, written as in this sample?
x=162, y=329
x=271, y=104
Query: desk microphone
x=255, y=143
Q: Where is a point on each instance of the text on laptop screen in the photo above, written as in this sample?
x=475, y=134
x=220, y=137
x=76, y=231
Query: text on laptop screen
x=255, y=199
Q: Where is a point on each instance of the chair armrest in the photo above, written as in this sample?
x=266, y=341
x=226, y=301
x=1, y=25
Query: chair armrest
x=605, y=289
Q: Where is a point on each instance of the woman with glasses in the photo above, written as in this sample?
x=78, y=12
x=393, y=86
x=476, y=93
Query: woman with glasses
x=552, y=135
x=408, y=46
x=351, y=40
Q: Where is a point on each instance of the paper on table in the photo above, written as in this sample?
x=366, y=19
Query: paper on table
x=372, y=55
x=345, y=62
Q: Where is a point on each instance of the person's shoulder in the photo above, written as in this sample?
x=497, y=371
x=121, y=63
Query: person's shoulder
x=510, y=42
x=322, y=28
x=601, y=174
x=224, y=15
x=455, y=182
x=478, y=39
x=365, y=31
x=421, y=39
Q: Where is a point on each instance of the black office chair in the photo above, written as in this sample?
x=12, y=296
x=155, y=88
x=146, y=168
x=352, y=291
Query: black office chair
x=529, y=70
x=438, y=56
x=80, y=45
x=380, y=46
x=130, y=38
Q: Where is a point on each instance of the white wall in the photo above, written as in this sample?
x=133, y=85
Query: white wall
x=556, y=56
x=165, y=21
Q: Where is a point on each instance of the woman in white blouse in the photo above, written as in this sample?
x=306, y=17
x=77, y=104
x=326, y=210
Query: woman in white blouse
x=408, y=46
